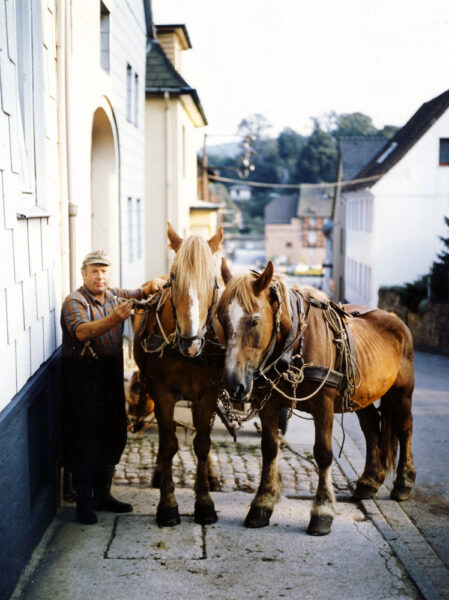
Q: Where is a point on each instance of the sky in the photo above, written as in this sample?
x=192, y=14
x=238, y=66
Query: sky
x=290, y=60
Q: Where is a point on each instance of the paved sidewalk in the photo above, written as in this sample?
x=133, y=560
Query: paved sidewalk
x=129, y=557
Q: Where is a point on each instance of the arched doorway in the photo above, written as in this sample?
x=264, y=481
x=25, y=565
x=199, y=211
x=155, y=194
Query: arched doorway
x=105, y=191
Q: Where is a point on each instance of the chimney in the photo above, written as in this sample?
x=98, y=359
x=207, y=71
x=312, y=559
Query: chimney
x=174, y=39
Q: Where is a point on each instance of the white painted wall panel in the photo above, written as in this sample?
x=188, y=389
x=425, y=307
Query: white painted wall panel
x=37, y=344
x=5, y=160
x=6, y=258
x=35, y=245
x=11, y=196
x=49, y=334
x=8, y=73
x=14, y=307
x=3, y=36
x=8, y=373
x=23, y=358
x=3, y=317
x=21, y=256
x=43, y=301
x=11, y=30
x=14, y=142
x=29, y=300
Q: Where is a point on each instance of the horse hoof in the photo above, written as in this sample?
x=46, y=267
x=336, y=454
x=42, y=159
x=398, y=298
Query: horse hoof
x=156, y=481
x=205, y=514
x=320, y=525
x=167, y=516
x=258, y=516
x=364, y=491
x=401, y=492
x=214, y=485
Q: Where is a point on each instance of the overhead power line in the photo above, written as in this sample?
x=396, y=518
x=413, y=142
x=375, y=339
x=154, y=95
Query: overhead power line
x=295, y=186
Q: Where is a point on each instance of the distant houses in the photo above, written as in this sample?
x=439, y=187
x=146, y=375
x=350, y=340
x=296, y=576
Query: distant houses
x=294, y=228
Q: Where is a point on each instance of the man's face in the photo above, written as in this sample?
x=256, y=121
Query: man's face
x=96, y=278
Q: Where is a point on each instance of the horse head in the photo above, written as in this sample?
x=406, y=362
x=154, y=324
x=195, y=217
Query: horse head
x=193, y=287
x=245, y=311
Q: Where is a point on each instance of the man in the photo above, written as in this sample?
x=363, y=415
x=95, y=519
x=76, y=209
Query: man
x=95, y=423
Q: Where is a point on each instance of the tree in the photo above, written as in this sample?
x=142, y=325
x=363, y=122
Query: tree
x=352, y=124
x=290, y=146
x=439, y=273
x=318, y=159
x=255, y=125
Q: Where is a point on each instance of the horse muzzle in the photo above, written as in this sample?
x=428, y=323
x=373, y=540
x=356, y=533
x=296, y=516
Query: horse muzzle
x=238, y=388
x=191, y=346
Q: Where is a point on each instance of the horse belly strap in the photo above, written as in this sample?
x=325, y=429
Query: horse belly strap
x=333, y=378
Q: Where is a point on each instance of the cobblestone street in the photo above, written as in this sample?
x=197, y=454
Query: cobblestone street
x=237, y=464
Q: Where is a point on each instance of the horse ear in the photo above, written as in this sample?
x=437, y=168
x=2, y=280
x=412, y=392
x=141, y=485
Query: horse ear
x=175, y=240
x=264, y=279
x=225, y=272
x=215, y=241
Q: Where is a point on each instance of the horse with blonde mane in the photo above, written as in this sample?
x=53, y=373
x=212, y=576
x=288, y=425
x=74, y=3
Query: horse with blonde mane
x=175, y=349
x=294, y=348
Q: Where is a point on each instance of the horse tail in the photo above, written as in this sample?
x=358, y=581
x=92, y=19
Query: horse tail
x=389, y=439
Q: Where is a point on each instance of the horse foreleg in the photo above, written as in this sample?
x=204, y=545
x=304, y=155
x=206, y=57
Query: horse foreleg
x=214, y=480
x=269, y=489
x=167, y=511
x=374, y=473
x=323, y=508
x=204, y=506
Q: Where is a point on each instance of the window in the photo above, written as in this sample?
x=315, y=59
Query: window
x=139, y=227
x=129, y=83
x=136, y=99
x=104, y=37
x=311, y=238
x=25, y=105
x=444, y=152
x=130, y=231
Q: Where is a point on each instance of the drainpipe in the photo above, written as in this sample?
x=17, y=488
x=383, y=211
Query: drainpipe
x=72, y=206
x=168, y=183
x=61, y=17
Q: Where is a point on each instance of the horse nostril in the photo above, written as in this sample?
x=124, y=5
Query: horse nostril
x=240, y=391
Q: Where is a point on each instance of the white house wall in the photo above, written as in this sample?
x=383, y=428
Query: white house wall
x=29, y=248
x=171, y=176
x=411, y=202
x=92, y=87
x=409, y=206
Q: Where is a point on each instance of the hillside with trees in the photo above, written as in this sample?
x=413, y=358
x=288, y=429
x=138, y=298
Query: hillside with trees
x=290, y=157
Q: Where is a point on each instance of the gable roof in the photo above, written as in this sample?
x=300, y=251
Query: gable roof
x=161, y=76
x=403, y=140
x=281, y=210
x=314, y=202
x=357, y=151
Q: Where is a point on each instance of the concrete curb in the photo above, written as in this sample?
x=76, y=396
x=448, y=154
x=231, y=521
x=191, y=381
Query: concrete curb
x=396, y=527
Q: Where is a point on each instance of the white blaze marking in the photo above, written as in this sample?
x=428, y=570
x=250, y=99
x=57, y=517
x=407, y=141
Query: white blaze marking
x=235, y=316
x=194, y=311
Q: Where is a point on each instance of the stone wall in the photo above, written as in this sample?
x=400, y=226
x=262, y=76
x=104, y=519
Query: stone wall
x=429, y=327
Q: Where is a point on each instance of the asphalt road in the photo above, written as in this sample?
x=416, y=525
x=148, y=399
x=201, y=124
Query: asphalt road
x=429, y=506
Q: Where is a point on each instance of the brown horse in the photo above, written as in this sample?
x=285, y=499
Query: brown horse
x=169, y=339
x=282, y=345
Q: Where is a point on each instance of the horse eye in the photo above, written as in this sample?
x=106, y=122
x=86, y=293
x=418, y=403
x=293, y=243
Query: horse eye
x=253, y=321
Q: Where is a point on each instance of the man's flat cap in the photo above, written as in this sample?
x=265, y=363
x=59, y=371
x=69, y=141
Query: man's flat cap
x=98, y=257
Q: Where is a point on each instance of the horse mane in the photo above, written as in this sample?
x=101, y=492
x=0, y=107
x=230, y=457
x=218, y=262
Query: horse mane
x=240, y=288
x=194, y=264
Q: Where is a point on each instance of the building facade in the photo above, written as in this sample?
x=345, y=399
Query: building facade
x=72, y=133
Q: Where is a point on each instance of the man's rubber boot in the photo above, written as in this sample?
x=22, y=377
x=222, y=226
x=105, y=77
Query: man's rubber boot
x=84, y=507
x=102, y=493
